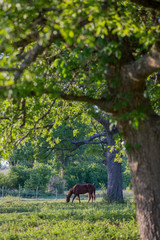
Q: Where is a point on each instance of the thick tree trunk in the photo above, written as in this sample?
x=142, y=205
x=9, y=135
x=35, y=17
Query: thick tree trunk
x=144, y=160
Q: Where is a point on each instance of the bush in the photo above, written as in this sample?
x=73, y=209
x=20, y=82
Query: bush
x=39, y=176
x=19, y=174
x=9, y=180
x=28, y=178
x=3, y=179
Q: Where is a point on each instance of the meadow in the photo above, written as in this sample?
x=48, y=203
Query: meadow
x=55, y=219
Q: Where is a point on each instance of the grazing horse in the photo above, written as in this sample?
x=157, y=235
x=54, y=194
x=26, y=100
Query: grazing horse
x=82, y=189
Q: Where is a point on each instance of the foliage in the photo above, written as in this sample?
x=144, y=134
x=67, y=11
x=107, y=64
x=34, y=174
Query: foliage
x=39, y=176
x=82, y=173
x=64, y=48
x=89, y=157
x=2, y=180
x=9, y=180
x=58, y=220
x=22, y=174
x=153, y=90
x=22, y=155
x=126, y=176
x=28, y=153
x=78, y=172
x=31, y=178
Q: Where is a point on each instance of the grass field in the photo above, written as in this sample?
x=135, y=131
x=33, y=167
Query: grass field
x=51, y=219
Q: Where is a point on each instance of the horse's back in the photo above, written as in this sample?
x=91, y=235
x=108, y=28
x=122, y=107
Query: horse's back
x=83, y=188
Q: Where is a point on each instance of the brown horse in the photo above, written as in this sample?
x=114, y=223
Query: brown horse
x=82, y=189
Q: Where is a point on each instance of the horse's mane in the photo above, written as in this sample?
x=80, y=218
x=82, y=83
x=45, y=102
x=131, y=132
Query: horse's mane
x=69, y=194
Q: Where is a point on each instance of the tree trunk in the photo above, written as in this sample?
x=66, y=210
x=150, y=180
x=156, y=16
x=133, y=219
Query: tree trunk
x=114, y=189
x=144, y=160
x=114, y=169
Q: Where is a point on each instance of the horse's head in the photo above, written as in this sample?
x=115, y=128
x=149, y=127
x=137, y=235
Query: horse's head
x=69, y=195
x=67, y=198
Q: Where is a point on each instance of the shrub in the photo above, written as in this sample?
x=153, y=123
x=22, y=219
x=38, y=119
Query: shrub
x=20, y=175
x=3, y=179
x=39, y=176
x=9, y=180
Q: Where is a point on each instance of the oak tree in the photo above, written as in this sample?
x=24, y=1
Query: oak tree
x=101, y=52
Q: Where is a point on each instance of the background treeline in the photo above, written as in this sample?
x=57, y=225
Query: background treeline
x=55, y=162
x=40, y=175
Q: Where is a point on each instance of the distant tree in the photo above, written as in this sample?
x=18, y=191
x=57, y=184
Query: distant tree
x=64, y=151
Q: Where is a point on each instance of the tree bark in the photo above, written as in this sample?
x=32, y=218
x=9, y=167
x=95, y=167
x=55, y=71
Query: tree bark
x=114, y=170
x=144, y=160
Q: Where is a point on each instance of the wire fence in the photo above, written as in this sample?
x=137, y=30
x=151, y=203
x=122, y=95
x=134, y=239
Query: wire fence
x=28, y=193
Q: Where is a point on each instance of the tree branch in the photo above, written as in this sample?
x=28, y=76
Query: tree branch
x=102, y=103
x=34, y=127
x=148, y=3
x=139, y=70
x=40, y=20
x=77, y=144
x=34, y=36
x=4, y=118
x=32, y=55
x=47, y=112
x=88, y=141
x=23, y=116
x=9, y=69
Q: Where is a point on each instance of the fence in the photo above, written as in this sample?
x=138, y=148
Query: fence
x=21, y=193
x=28, y=193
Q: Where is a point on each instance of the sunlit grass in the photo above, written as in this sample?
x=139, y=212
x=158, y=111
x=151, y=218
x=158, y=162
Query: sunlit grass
x=55, y=219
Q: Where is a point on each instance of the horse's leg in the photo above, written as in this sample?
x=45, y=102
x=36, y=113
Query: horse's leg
x=89, y=197
x=92, y=197
x=79, y=198
x=73, y=198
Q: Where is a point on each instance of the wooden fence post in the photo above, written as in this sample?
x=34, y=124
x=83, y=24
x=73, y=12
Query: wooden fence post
x=2, y=191
x=19, y=191
x=56, y=193
x=37, y=193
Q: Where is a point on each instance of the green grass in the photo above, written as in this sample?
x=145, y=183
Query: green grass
x=50, y=219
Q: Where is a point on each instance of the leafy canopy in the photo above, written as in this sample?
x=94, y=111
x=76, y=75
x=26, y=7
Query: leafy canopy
x=68, y=49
